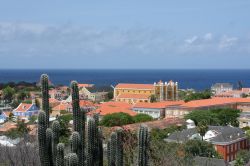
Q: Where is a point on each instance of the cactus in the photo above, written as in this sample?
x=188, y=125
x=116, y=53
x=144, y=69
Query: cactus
x=119, y=148
x=55, y=138
x=113, y=141
x=49, y=145
x=71, y=159
x=42, y=139
x=78, y=120
x=108, y=152
x=90, y=142
x=75, y=144
x=100, y=148
x=45, y=96
x=60, y=155
x=143, y=146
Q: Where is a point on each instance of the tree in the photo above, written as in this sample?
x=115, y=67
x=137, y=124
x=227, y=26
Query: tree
x=8, y=94
x=142, y=118
x=242, y=157
x=116, y=119
x=200, y=148
x=152, y=98
x=23, y=95
x=219, y=116
x=37, y=102
x=202, y=128
x=198, y=95
x=110, y=95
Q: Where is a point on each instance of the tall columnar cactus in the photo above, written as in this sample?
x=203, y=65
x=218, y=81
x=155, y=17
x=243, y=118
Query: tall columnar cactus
x=75, y=144
x=113, y=148
x=100, y=147
x=60, y=155
x=49, y=145
x=143, y=146
x=78, y=119
x=44, y=80
x=90, y=142
x=43, y=153
x=55, y=138
x=108, y=152
x=71, y=159
x=119, y=147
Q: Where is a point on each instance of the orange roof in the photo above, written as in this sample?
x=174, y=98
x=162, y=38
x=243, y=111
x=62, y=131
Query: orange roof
x=62, y=106
x=52, y=100
x=7, y=126
x=215, y=101
x=114, y=107
x=245, y=90
x=84, y=103
x=133, y=96
x=135, y=86
x=162, y=104
x=23, y=107
x=85, y=85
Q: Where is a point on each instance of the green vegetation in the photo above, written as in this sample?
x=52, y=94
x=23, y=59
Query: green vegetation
x=219, y=116
x=8, y=94
x=116, y=119
x=160, y=134
x=142, y=118
x=20, y=131
x=200, y=148
x=197, y=95
x=242, y=158
x=120, y=119
x=202, y=128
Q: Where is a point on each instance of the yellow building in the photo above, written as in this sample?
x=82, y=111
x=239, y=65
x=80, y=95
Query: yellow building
x=134, y=93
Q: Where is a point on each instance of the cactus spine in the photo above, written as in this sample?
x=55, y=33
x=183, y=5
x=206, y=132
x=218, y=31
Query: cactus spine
x=119, y=148
x=90, y=142
x=78, y=120
x=49, y=145
x=71, y=160
x=113, y=141
x=55, y=138
x=42, y=139
x=100, y=147
x=143, y=146
x=60, y=155
x=45, y=96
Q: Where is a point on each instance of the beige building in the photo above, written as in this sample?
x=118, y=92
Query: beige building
x=134, y=93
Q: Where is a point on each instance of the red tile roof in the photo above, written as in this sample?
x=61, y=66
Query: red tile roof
x=135, y=86
x=215, y=101
x=114, y=107
x=84, y=85
x=61, y=106
x=162, y=104
x=133, y=96
x=23, y=107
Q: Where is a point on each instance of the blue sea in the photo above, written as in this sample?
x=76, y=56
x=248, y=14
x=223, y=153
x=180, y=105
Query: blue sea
x=197, y=79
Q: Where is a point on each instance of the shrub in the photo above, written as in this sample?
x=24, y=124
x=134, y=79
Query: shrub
x=142, y=118
x=116, y=119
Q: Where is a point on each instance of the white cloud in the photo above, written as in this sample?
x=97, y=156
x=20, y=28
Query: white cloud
x=227, y=42
x=208, y=37
x=191, y=40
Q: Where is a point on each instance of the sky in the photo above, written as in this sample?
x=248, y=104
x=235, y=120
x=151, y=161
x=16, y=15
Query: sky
x=128, y=34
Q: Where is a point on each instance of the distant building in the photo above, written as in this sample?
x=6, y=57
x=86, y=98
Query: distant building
x=3, y=116
x=179, y=111
x=113, y=107
x=227, y=140
x=134, y=93
x=157, y=109
x=93, y=93
x=25, y=110
x=221, y=87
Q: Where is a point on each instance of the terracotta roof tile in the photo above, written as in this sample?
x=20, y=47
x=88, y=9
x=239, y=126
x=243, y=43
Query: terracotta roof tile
x=162, y=104
x=114, y=107
x=23, y=107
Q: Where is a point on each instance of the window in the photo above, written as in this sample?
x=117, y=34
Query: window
x=228, y=148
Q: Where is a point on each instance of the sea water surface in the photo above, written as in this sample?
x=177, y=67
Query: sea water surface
x=197, y=79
